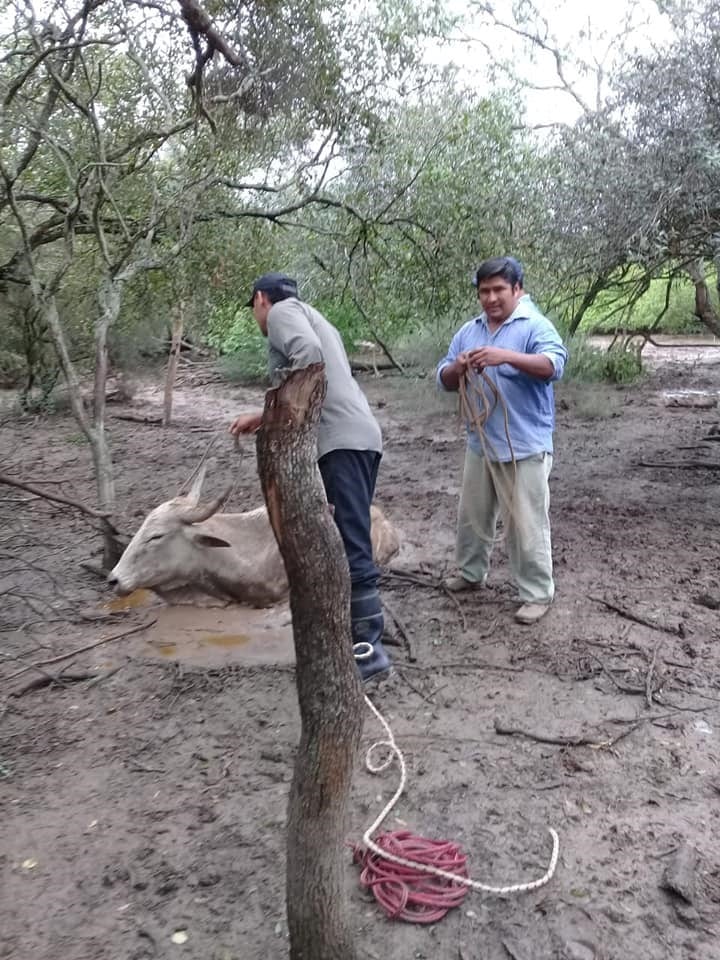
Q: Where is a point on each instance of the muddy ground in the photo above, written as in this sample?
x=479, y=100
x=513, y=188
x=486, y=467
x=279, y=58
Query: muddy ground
x=152, y=801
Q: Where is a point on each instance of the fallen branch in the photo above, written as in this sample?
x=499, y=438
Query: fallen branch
x=410, y=577
x=423, y=696
x=62, y=678
x=622, y=687
x=473, y=665
x=38, y=664
x=432, y=583
x=636, y=617
x=566, y=741
x=136, y=418
x=649, y=677
x=96, y=569
x=55, y=497
x=708, y=600
x=679, y=464
x=401, y=630
x=461, y=613
x=99, y=677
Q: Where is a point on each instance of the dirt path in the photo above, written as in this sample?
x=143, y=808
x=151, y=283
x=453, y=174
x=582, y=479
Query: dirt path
x=153, y=802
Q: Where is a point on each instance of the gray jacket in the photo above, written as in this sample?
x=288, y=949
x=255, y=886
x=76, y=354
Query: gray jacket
x=299, y=335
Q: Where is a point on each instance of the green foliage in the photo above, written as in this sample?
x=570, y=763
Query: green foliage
x=605, y=317
x=347, y=319
x=247, y=367
x=435, y=190
x=42, y=398
x=233, y=332
x=425, y=346
x=591, y=364
x=638, y=175
x=12, y=369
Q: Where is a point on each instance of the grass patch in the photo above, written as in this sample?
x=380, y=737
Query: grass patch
x=605, y=317
x=246, y=367
x=590, y=364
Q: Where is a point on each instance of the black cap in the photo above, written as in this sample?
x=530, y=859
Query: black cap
x=274, y=283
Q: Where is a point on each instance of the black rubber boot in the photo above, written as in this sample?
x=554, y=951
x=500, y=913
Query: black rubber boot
x=367, y=623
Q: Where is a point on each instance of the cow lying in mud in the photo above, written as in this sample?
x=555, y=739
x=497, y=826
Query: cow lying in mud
x=184, y=545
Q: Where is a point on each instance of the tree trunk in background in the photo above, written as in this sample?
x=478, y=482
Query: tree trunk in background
x=329, y=691
x=598, y=284
x=109, y=299
x=704, y=309
x=94, y=430
x=178, y=323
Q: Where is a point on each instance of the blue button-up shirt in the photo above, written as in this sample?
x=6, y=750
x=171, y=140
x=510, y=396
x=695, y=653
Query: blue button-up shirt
x=530, y=401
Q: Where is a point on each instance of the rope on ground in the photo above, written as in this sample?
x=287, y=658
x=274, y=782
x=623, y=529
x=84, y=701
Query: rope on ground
x=407, y=894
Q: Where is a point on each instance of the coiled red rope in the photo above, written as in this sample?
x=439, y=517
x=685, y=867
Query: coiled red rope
x=425, y=888
x=408, y=894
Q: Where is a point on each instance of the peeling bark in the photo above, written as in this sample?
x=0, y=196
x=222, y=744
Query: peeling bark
x=328, y=686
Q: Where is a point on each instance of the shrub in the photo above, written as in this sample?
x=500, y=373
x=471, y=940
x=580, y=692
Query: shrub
x=678, y=318
x=425, y=346
x=244, y=367
x=589, y=364
x=13, y=370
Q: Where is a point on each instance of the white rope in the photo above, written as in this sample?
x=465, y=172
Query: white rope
x=396, y=753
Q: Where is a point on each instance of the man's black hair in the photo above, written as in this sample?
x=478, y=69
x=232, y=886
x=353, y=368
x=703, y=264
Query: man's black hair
x=508, y=268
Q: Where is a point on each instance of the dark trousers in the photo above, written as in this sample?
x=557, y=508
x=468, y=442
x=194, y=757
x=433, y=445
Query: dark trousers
x=349, y=478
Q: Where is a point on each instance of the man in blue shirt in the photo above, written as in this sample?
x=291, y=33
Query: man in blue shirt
x=506, y=359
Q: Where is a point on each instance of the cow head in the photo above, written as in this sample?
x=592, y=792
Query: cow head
x=167, y=550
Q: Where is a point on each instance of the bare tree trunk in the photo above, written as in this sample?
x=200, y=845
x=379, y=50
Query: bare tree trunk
x=109, y=298
x=112, y=550
x=704, y=309
x=328, y=686
x=598, y=284
x=178, y=323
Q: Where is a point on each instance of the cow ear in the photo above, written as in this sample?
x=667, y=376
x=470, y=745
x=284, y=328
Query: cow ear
x=205, y=540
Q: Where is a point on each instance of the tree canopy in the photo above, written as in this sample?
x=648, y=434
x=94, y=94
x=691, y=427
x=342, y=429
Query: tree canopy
x=152, y=151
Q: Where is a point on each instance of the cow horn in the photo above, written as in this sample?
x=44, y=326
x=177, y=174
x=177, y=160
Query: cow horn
x=194, y=494
x=198, y=512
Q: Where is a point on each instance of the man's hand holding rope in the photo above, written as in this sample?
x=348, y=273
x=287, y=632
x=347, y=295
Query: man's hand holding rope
x=534, y=364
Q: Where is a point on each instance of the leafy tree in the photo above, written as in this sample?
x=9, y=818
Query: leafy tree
x=113, y=164
x=633, y=194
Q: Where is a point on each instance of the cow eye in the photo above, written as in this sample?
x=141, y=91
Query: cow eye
x=155, y=536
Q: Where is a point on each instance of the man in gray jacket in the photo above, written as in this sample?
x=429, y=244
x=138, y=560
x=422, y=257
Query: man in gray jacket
x=349, y=442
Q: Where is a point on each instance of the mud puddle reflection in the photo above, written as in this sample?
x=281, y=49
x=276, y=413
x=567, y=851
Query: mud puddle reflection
x=212, y=636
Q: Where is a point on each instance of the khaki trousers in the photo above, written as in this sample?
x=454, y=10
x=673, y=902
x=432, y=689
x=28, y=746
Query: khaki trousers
x=487, y=492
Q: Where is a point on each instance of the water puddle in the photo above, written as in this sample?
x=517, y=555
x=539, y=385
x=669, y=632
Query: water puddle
x=138, y=598
x=219, y=636
x=227, y=640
